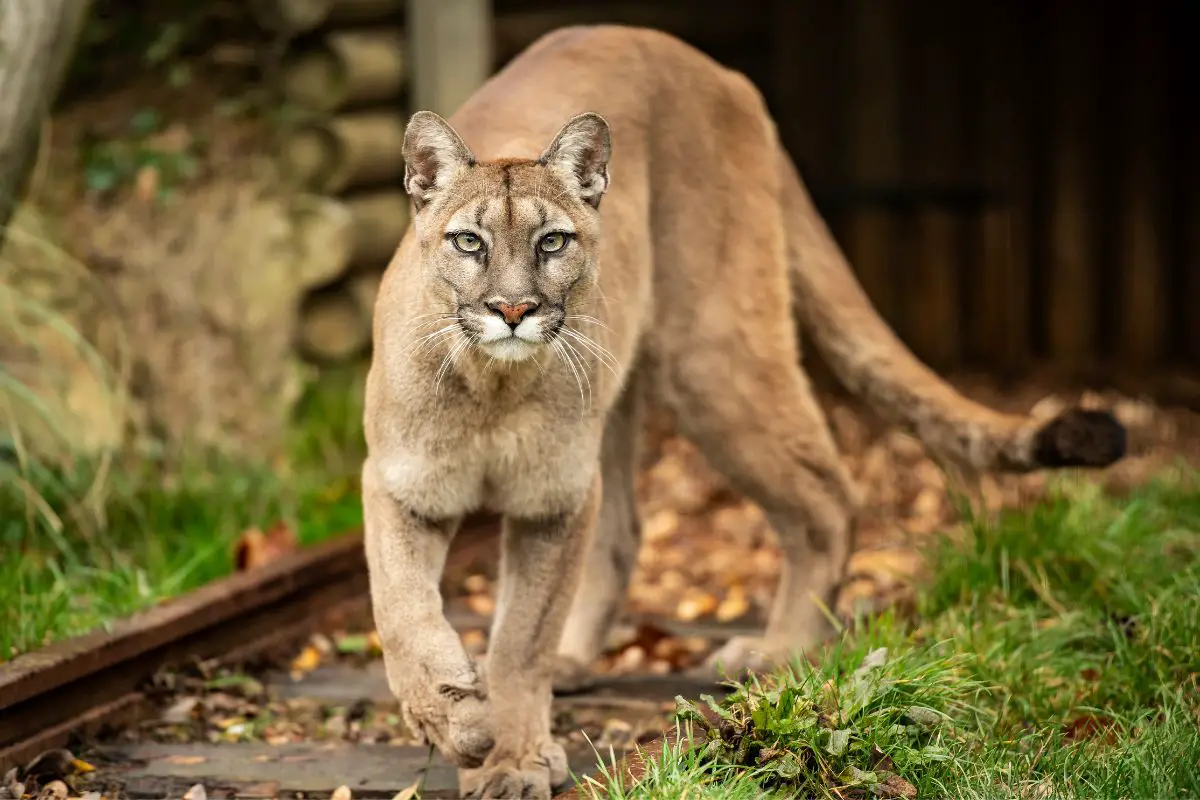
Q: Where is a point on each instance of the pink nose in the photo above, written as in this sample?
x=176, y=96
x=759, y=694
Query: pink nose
x=513, y=314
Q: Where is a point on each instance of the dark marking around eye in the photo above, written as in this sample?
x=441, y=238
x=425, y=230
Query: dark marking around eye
x=541, y=209
x=480, y=210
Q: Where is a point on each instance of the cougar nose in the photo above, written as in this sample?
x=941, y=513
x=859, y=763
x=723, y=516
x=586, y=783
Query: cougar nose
x=513, y=314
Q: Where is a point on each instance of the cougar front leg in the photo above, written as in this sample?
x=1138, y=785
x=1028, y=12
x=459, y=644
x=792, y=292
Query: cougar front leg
x=612, y=554
x=540, y=566
x=440, y=694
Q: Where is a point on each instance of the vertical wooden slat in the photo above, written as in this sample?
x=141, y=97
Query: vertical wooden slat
x=451, y=46
x=806, y=95
x=1182, y=179
x=1072, y=279
x=932, y=144
x=873, y=152
x=807, y=99
x=1190, y=222
x=1143, y=310
x=998, y=328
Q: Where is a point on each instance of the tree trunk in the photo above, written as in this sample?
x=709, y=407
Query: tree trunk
x=37, y=39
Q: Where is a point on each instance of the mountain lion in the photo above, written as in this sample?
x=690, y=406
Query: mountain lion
x=543, y=294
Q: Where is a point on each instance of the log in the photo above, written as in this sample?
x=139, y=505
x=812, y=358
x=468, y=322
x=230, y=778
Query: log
x=37, y=40
x=364, y=288
x=294, y=17
x=380, y=220
x=452, y=44
x=324, y=236
x=333, y=327
x=348, y=68
x=346, y=152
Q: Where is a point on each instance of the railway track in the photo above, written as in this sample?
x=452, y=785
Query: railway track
x=163, y=701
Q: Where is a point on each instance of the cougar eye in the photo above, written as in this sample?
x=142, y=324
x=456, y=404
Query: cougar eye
x=467, y=242
x=552, y=242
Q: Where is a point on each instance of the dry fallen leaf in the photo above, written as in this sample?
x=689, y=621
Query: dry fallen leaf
x=630, y=659
x=660, y=526
x=197, y=792
x=1090, y=726
x=474, y=641
x=308, y=660
x=80, y=766
x=341, y=793
x=54, y=790
x=146, y=183
x=185, y=760
x=255, y=548
x=896, y=787
x=408, y=792
x=696, y=603
x=482, y=604
x=735, y=604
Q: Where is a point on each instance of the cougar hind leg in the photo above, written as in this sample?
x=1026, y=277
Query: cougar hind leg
x=781, y=456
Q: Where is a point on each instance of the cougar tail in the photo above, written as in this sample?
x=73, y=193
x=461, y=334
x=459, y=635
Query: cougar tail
x=872, y=362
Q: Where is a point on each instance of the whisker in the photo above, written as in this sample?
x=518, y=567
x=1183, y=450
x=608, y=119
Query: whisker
x=559, y=347
x=415, y=347
x=588, y=319
x=447, y=361
x=599, y=351
x=577, y=357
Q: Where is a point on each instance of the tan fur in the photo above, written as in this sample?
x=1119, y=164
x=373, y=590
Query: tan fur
x=682, y=279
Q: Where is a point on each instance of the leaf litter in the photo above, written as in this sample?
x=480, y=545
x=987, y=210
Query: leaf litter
x=707, y=555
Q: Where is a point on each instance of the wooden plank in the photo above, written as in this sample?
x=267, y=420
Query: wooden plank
x=933, y=146
x=451, y=44
x=997, y=330
x=1142, y=310
x=874, y=138
x=1072, y=275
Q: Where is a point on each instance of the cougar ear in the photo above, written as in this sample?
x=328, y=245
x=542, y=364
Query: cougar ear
x=433, y=154
x=579, y=155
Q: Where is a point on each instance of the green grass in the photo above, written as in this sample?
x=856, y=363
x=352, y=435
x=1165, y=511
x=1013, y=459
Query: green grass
x=1056, y=653
x=74, y=560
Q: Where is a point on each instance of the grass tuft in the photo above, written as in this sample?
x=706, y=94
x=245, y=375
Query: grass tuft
x=1056, y=654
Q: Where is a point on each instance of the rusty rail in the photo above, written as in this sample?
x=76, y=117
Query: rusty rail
x=84, y=684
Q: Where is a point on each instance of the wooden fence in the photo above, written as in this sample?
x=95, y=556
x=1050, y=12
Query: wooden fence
x=1015, y=181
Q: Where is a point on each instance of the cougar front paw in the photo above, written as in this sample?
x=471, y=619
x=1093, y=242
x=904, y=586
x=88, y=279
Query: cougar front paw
x=454, y=717
x=533, y=775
